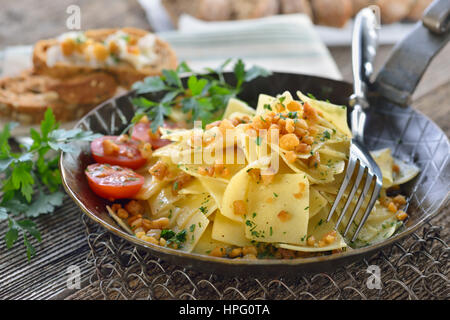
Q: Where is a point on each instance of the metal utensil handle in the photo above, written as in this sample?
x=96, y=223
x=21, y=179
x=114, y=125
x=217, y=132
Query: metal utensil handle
x=364, y=45
x=409, y=59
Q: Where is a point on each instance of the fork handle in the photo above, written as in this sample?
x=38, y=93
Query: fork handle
x=409, y=59
x=364, y=45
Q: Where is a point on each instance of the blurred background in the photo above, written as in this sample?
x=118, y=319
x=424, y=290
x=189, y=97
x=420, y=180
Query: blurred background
x=23, y=22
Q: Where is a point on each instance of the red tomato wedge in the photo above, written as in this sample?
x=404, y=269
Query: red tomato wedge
x=127, y=155
x=143, y=132
x=113, y=182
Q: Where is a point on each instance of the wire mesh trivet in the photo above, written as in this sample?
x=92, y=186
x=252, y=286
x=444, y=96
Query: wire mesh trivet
x=415, y=268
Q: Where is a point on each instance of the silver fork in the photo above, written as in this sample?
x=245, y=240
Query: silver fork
x=364, y=44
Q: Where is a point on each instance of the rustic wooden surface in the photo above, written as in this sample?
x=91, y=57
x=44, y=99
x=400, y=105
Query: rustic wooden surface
x=26, y=21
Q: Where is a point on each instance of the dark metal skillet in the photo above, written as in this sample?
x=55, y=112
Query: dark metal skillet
x=389, y=122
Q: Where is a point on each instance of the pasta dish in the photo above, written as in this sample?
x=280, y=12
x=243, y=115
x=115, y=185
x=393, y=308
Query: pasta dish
x=259, y=183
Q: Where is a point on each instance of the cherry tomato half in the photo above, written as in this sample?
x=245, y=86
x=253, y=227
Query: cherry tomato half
x=113, y=182
x=142, y=132
x=127, y=155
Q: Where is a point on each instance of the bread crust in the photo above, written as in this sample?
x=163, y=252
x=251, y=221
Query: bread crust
x=358, y=5
x=253, y=9
x=296, y=6
x=417, y=9
x=208, y=10
x=124, y=72
x=26, y=97
x=333, y=13
x=394, y=10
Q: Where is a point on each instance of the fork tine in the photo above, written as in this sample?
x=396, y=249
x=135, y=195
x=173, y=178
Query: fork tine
x=361, y=171
x=348, y=176
x=362, y=196
x=375, y=194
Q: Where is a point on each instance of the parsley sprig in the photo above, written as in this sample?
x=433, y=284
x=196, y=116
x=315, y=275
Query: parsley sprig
x=30, y=179
x=204, y=97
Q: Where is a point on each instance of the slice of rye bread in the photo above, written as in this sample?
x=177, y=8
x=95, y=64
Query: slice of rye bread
x=124, y=72
x=26, y=97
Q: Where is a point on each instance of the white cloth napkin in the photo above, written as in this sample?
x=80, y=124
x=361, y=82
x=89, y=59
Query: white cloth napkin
x=286, y=43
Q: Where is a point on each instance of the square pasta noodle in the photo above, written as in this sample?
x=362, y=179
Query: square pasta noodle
x=161, y=202
x=215, y=188
x=206, y=243
x=194, y=187
x=150, y=187
x=318, y=227
x=333, y=113
x=283, y=219
x=316, y=202
x=236, y=105
x=191, y=205
x=195, y=227
x=384, y=160
x=264, y=101
x=229, y=231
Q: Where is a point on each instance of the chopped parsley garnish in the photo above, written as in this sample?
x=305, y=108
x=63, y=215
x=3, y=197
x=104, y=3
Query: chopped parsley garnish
x=126, y=37
x=325, y=135
x=167, y=234
x=292, y=115
x=172, y=237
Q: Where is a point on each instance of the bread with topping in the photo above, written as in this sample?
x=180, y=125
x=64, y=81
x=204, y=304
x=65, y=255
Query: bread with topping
x=128, y=54
x=26, y=97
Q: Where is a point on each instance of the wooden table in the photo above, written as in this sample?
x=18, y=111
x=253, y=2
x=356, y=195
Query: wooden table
x=25, y=21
